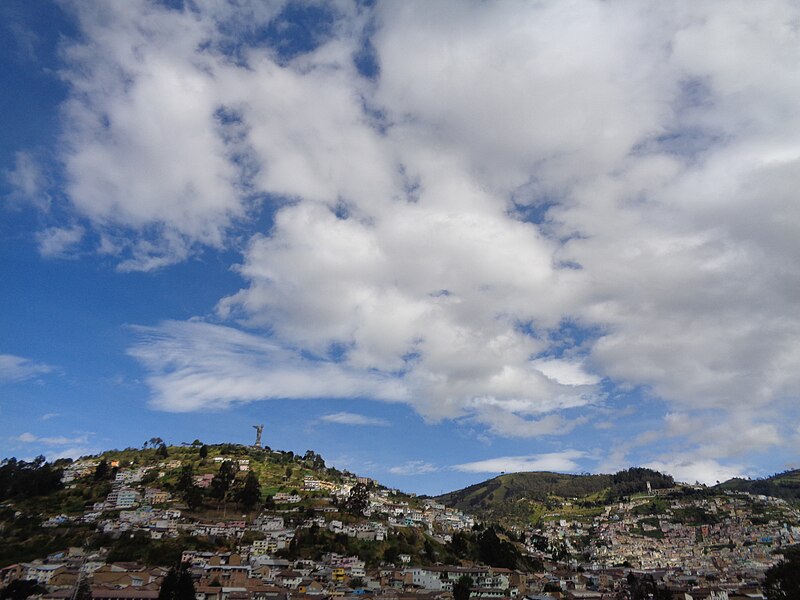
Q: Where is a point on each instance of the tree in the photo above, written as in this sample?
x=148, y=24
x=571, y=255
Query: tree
x=193, y=497
x=391, y=554
x=84, y=591
x=20, y=589
x=162, y=451
x=250, y=493
x=358, y=500
x=203, y=452
x=496, y=552
x=177, y=584
x=185, y=480
x=783, y=579
x=223, y=479
x=645, y=587
x=315, y=459
x=462, y=588
x=102, y=470
x=19, y=478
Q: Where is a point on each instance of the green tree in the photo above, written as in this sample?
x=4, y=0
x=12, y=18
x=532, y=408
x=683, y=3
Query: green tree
x=203, y=452
x=222, y=480
x=462, y=588
x=358, y=500
x=177, y=584
x=84, y=591
x=162, y=451
x=185, y=480
x=250, y=493
x=102, y=470
x=19, y=478
x=21, y=589
x=193, y=497
x=783, y=579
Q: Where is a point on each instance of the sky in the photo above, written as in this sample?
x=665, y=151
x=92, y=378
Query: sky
x=431, y=241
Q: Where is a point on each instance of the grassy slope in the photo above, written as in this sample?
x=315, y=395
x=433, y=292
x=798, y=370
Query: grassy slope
x=524, y=496
x=782, y=485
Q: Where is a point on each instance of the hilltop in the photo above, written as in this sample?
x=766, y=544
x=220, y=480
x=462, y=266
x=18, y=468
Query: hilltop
x=290, y=521
x=152, y=504
x=525, y=496
x=784, y=485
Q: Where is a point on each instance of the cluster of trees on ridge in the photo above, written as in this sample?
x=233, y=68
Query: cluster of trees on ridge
x=21, y=479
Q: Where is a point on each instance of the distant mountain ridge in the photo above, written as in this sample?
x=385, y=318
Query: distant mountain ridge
x=524, y=496
x=514, y=494
x=784, y=485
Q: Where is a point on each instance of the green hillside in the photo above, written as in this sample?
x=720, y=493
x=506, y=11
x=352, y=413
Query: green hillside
x=528, y=496
x=784, y=485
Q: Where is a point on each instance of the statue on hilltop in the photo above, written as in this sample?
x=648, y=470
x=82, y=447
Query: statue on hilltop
x=259, y=429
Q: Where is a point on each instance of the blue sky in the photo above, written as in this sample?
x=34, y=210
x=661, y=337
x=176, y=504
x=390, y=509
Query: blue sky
x=432, y=242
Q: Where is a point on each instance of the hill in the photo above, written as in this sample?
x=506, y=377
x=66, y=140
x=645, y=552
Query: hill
x=784, y=485
x=152, y=504
x=525, y=496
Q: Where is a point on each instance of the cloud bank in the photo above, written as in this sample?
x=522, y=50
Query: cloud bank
x=16, y=368
x=517, y=207
x=347, y=418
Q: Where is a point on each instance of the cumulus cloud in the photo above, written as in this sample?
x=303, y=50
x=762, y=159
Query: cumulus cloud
x=16, y=368
x=73, y=452
x=29, y=438
x=691, y=470
x=195, y=365
x=414, y=467
x=59, y=242
x=565, y=461
x=28, y=182
x=348, y=418
x=529, y=203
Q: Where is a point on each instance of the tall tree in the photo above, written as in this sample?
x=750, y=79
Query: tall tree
x=782, y=581
x=185, y=480
x=84, y=591
x=223, y=479
x=462, y=588
x=250, y=494
x=358, y=500
x=193, y=497
x=177, y=584
x=102, y=470
x=21, y=589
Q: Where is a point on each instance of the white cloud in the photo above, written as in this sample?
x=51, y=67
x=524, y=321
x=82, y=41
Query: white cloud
x=655, y=149
x=73, y=452
x=30, y=438
x=59, y=242
x=196, y=365
x=564, y=461
x=28, y=182
x=565, y=372
x=347, y=418
x=690, y=470
x=414, y=467
x=16, y=368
